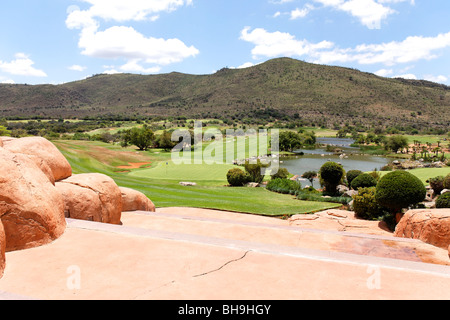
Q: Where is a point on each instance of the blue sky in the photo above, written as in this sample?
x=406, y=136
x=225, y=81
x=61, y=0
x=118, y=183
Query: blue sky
x=57, y=41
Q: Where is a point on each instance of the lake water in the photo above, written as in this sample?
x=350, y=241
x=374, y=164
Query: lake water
x=312, y=160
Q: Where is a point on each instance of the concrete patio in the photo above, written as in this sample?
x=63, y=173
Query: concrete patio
x=198, y=254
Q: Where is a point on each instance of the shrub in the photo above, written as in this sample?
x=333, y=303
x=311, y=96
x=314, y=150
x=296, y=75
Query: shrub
x=282, y=173
x=446, y=182
x=399, y=189
x=443, y=201
x=437, y=184
x=255, y=171
x=331, y=175
x=351, y=175
x=364, y=180
x=237, y=177
x=284, y=186
x=365, y=204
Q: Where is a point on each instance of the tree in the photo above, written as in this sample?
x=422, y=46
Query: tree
x=165, y=142
x=289, y=141
x=4, y=132
x=143, y=138
x=396, y=143
x=310, y=175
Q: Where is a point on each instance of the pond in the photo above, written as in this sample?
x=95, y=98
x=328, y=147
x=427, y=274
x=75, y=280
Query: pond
x=312, y=160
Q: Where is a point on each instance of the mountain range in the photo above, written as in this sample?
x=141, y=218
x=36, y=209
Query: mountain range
x=281, y=88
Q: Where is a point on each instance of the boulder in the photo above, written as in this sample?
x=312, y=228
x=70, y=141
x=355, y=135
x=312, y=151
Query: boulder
x=188, y=184
x=80, y=203
x=31, y=209
x=43, y=149
x=2, y=249
x=107, y=191
x=133, y=200
x=444, y=191
x=429, y=225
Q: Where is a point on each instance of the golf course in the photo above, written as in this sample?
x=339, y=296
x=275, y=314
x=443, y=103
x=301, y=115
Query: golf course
x=159, y=178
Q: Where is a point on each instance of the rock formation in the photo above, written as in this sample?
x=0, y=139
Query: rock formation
x=2, y=249
x=31, y=209
x=80, y=203
x=429, y=225
x=108, y=194
x=133, y=200
x=38, y=190
x=44, y=150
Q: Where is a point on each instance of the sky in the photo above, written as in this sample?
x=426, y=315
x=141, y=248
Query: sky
x=58, y=41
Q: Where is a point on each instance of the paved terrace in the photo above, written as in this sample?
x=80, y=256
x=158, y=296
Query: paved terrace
x=196, y=254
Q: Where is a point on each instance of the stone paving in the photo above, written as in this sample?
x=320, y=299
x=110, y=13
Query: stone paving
x=197, y=254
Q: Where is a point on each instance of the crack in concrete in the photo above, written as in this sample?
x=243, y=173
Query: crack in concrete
x=218, y=269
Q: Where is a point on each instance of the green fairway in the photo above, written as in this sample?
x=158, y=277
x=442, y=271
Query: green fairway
x=161, y=182
x=185, y=172
x=426, y=173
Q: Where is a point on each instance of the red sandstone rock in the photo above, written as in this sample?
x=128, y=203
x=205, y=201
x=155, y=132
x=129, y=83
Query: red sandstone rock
x=31, y=209
x=134, y=200
x=429, y=225
x=107, y=191
x=80, y=203
x=43, y=149
x=2, y=249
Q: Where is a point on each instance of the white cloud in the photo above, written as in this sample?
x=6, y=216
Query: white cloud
x=301, y=13
x=438, y=79
x=76, y=67
x=21, y=66
x=134, y=66
x=384, y=72
x=136, y=10
x=369, y=12
x=411, y=49
x=9, y=81
x=123, y=42
x=273, y=44
x=126, y=42
x=408, y=76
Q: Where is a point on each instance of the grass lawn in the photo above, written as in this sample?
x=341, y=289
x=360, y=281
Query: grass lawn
x=163, y=188
x=426, y=173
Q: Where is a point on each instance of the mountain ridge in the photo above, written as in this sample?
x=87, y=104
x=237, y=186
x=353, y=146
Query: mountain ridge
x=278, y=88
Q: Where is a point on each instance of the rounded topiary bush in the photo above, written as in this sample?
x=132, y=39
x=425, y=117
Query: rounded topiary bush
x=364, y=180
x=351, y=175
x=443, y=201
x=331, y=174
x=237, y=177
x=400, y=189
